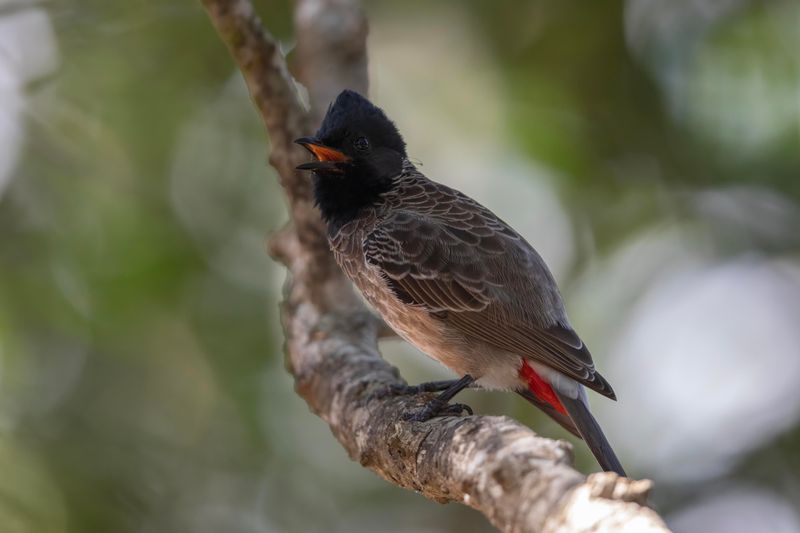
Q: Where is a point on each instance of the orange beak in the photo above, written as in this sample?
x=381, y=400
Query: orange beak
x=323, y=153
x=320, y=151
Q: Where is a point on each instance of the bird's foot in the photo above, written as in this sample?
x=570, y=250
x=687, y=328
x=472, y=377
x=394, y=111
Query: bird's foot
x=437, y=407
x=396, y=389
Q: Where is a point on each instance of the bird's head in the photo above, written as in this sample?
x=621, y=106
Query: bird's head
x=358, y=151
x=355, y=135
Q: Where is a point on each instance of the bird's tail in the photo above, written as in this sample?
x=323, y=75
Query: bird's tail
x=591, y=433
x=562, y=418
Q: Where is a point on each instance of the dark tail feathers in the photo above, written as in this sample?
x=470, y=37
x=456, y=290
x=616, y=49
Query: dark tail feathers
x=562, y=419
x=591, y=433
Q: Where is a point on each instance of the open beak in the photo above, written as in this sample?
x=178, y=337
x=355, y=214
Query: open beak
x=327, y=158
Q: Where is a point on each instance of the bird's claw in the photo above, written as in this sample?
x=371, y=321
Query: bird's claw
x=456, y=409
x=435, y=408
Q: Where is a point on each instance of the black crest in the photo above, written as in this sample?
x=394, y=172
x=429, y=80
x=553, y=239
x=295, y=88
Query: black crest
x=352, y=114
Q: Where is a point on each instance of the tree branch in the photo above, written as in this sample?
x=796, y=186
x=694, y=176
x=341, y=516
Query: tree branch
x=520, y=481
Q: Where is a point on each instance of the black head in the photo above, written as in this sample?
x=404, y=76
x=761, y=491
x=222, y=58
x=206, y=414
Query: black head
x=358, y=153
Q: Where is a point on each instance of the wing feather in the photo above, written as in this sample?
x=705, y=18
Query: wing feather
x=464, y=265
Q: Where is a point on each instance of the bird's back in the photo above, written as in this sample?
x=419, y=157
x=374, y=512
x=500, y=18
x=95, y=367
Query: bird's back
x=455, y=237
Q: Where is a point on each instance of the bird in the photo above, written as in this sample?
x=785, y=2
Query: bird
x=448, y=275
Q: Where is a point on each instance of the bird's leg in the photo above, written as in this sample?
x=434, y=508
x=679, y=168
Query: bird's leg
x=439, y=405
x=428, y=386
x=396, y=389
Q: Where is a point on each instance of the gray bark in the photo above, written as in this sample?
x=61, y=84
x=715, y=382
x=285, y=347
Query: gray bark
x=518, y=480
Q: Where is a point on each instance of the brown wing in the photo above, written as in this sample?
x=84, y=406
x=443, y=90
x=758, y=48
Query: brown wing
x=429, y=264
x=465, y=266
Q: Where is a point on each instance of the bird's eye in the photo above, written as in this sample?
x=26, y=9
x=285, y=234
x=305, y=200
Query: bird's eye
x=361, y=144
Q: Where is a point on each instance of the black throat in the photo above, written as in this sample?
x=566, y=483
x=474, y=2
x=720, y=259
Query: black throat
x=342, y=196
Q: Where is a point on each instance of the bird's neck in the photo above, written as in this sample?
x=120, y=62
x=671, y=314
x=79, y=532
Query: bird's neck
x=341, y=197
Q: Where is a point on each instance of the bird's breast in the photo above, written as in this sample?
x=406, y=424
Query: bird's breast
x=412, y=323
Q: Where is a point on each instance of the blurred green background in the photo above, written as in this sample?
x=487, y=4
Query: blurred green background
x=650, y=149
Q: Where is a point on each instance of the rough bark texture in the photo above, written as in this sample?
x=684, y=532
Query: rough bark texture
x=520, y=481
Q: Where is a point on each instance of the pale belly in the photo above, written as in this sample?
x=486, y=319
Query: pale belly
x=431, y=336
x=413, y=324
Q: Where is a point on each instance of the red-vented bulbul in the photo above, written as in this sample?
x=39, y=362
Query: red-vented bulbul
x=448, y=275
